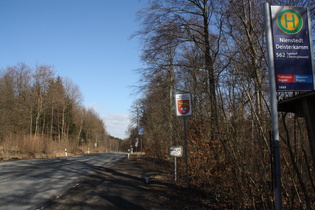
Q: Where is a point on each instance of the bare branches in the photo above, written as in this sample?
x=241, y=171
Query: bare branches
x=216, y=51
x=37, y=103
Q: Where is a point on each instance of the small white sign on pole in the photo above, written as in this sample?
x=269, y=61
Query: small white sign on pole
x=175, y=151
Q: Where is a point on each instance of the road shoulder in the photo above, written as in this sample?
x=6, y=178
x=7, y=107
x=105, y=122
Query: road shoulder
x=124, y=186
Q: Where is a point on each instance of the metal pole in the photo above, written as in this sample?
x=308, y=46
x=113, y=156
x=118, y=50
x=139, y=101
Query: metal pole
x=141, y=144
x=175, y=169
x=274, y=109
x=186, y=152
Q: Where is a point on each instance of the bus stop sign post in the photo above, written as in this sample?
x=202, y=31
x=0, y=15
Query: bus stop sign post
x=291, y=66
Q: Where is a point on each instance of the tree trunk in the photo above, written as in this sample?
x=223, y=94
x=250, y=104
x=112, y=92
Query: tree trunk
x=211, y=78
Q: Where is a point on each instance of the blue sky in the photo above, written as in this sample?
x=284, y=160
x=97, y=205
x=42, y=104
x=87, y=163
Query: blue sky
x=87, y=41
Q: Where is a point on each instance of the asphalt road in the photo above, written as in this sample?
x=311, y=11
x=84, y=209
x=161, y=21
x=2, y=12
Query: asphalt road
x=25, y=184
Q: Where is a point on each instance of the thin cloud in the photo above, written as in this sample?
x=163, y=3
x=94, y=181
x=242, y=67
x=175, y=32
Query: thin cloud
x=117, y=124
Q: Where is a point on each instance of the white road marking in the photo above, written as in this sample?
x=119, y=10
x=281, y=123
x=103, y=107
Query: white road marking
x=5, y=180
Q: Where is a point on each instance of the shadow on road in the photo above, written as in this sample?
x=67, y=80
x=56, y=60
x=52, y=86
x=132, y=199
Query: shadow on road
x=121, y=186
x=25, y=184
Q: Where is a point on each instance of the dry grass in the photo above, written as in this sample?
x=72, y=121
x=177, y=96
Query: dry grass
x=17, y=147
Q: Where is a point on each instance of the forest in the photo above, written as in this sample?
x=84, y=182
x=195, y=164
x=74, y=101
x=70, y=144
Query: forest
x=42, y=116
x=216, y=50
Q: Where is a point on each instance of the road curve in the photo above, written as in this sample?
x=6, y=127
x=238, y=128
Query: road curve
x=25, y=184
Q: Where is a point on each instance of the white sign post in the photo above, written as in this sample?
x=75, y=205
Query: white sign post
x=175, y=151
x=136, y=144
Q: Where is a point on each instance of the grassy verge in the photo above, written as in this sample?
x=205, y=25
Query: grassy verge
x=40, y=147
